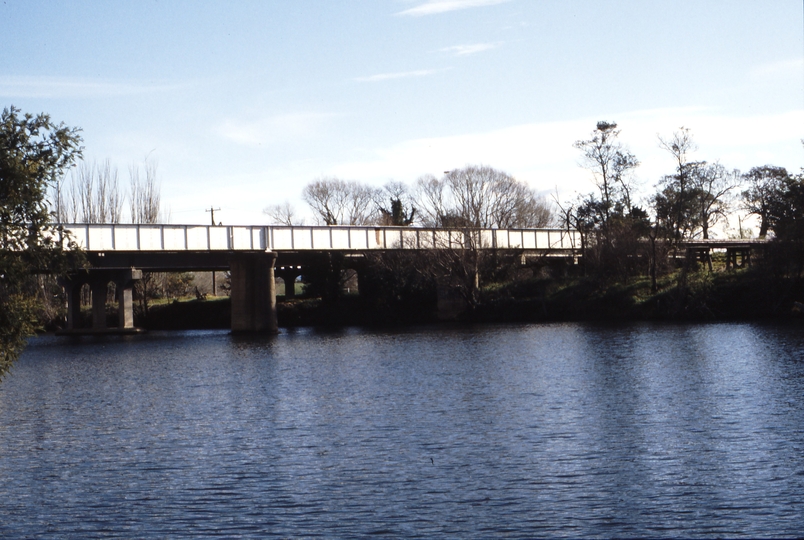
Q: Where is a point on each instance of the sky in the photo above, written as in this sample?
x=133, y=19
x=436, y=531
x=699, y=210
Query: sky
x=242, y=103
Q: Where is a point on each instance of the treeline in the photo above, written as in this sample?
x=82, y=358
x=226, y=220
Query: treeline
x=622, y=238
x=625, y=234
x=475, y=196
x=93, y=193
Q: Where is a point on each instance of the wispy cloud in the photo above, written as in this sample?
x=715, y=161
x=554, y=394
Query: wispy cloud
x=464, y=50
x=75, y=87
x=398, y=75
x=274, y=129
x=433, y=7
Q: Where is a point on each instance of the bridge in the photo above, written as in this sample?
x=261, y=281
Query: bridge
x=120, y=253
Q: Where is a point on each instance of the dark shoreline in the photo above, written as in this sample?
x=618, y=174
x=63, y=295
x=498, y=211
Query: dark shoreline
x=699, y=297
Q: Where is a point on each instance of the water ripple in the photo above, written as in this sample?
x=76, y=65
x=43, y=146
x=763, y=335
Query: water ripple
x=525, y=431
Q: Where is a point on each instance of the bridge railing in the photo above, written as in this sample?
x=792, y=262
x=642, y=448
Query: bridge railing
x=109, y=237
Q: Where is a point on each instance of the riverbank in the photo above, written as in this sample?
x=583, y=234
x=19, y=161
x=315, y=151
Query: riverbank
x=695, y=296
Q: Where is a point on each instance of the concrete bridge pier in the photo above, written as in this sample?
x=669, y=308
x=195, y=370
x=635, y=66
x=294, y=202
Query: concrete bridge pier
x=125, y=297
x=98, y=282
x=253, y=292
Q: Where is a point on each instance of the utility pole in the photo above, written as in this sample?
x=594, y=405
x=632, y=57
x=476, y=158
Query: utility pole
x=211, y=211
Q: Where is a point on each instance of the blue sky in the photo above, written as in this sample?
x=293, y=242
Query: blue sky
x=243, y=103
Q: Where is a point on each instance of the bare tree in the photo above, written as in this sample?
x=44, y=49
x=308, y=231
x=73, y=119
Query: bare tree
x=466, y=200
x=337, y=202
x=91, y=194
x=109, y=196
x=480, y=197
x=359, y=204
x=283, y=214
x=431, y=198
x=611, y=165
x=145, y=202
x=145, y=199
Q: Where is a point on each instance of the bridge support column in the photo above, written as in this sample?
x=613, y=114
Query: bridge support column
x=99, y=287
x=125, y=297
x=253, y=292
x=72, y=290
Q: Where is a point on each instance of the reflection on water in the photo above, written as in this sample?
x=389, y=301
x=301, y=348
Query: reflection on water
x=539, y=430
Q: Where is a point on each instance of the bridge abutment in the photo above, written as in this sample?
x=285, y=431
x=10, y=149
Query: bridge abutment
x=253, y=292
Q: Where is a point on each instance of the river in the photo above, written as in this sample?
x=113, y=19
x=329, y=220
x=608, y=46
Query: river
x=519, y=431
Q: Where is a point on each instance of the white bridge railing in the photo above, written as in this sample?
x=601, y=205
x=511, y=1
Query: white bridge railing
x=279, y=238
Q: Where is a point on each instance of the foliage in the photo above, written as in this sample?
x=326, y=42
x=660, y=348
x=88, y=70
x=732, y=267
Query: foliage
x=34, y=154
x=765, y=186
x=786, y=220
x=693, y=206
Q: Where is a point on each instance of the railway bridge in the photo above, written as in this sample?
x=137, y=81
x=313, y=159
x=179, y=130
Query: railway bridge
x=255, y=256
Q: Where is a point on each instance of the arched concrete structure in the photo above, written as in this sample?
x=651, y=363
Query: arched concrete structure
x=98, y=281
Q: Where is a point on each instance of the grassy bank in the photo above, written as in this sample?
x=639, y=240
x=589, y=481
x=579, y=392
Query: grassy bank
x=681, y=296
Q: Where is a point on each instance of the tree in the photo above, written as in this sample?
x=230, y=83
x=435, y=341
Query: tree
x=673, y=203
x=145, y=202
x=145, y=198
x=337, y=202
x=786, y=220
x=693, y=207
x=611, y=164
x=612, y=227
x=712, y=185
x=480, y=197
x=34, y=154
x=765, y=187
x=283, y=214
x=468, y=199
x=91, y=194
x=400, y=211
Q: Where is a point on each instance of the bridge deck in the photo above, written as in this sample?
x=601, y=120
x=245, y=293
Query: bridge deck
x=274, y=238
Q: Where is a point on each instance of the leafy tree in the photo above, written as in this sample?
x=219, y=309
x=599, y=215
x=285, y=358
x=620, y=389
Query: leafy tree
x=673, y=203
x=610, y=225
x=34, y=153
x=692, y=207
x=786, y=212
x=765, y=187
x=712, y=187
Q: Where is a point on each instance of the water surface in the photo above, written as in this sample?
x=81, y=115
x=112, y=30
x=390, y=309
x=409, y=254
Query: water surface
x=489, y=431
